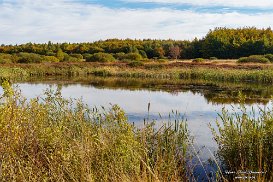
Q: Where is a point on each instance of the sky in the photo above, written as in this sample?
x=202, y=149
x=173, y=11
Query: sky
x=40, y=21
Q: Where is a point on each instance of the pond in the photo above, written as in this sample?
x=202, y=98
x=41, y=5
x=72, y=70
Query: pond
x=198, y=102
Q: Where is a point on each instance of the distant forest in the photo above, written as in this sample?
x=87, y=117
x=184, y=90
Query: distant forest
x=222, y=43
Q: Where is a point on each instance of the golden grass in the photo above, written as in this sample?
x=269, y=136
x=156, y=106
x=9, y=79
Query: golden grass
x=55, y=139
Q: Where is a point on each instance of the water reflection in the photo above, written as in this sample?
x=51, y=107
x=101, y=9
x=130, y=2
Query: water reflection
x=199, y=101
x=214, y=92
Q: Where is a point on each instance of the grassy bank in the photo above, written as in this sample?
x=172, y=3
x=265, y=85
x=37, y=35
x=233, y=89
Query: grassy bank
x=54, y=139
x=180, y=70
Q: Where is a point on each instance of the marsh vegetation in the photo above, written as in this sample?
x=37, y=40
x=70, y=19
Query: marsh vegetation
x=52, y=138
x=245, y=143
x=55, y=139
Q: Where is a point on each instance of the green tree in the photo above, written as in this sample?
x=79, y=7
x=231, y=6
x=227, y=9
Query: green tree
x=60, y=54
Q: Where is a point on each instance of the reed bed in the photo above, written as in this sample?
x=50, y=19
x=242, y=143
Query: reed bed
x=245, y=144
x=55, y=139
x=263, y=75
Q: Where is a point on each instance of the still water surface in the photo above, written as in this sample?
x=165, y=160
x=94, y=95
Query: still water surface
x=200, y=103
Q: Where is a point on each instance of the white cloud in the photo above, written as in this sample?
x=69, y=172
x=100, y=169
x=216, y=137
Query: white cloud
x=229, y=3
x=24, y=21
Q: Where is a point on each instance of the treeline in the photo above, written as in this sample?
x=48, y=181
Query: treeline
x=236, y=43
x=222, y=43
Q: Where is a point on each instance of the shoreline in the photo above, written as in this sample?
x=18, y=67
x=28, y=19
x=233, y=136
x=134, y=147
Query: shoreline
x=209, y=71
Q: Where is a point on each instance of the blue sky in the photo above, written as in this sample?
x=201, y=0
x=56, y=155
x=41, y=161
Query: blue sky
x=90, y=20
x=186, y=5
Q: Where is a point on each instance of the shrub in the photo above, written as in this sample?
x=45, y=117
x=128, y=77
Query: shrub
x=269, y=57
x=50, y=59
x=143, y=53
x=213, y=58
x=29, y=58
x=243, y=60
x=132, y=56
x=5, y=61
x=87, y=56
x=95, y=49
x=50, y=53
x=6, y=58
x=101, y=57
x=78, y=56
x=253, y=59
x=119, y=56
x=198, y=60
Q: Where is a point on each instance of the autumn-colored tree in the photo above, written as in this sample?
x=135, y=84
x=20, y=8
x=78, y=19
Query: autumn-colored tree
x=220, y=43
x=159, y=52
x=175, y=52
